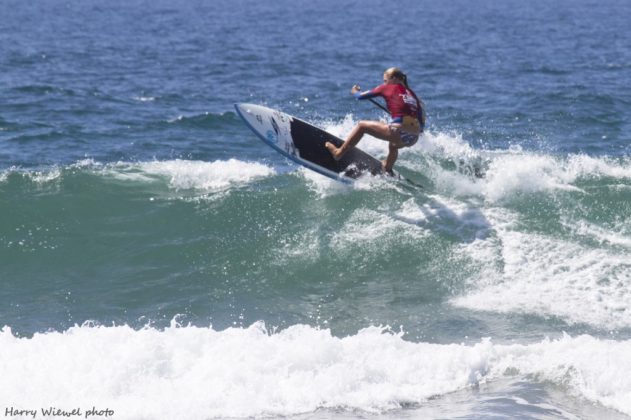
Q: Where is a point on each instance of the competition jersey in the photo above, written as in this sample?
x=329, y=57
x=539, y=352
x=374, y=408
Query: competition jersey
x=400, y=101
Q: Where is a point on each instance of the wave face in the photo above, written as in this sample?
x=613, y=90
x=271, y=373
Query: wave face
x=159, y=260
x=537, y=235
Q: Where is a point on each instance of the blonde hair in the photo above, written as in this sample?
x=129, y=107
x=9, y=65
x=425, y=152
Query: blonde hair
x=398, y=74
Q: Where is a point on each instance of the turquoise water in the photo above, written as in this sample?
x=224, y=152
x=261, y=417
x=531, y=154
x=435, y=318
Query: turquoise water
x=157, y=259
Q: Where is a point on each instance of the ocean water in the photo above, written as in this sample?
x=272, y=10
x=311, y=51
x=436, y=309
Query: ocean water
x=158, y=261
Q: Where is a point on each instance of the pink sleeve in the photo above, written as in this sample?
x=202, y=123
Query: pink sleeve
x=378, y=91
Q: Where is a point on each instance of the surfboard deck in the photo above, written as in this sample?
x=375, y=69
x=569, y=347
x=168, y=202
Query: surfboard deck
x=303, y=143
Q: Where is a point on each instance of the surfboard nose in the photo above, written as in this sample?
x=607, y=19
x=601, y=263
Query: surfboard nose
x=244, y=108
x=252, y=114
x=241, y=108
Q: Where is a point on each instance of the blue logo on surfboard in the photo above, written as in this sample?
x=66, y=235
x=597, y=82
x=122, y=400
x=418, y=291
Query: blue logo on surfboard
x=271, y=136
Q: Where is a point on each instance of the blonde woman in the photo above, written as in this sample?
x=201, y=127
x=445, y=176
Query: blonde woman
x=406, y=111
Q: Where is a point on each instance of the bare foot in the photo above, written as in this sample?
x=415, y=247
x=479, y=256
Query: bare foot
x=386, y=170
x=335, y=152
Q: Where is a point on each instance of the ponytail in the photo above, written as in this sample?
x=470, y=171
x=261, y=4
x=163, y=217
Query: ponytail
x=405, y=81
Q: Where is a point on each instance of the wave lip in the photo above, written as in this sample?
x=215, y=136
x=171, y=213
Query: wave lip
x=523, y=172
x=209, y=176
x=199, y=373
x=180, y=174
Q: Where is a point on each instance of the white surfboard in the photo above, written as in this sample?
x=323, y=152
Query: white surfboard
x=303, y=143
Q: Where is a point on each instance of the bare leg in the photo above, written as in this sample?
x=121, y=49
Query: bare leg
x=393, y=154
x=374, y=128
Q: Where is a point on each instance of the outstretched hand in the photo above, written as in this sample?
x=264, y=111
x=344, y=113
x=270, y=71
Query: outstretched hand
x=355, y=89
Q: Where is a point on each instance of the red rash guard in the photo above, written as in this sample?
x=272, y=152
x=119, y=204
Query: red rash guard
x=400, y=101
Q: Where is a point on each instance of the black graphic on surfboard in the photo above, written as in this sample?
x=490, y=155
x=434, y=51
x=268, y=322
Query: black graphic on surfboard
x=304, y=143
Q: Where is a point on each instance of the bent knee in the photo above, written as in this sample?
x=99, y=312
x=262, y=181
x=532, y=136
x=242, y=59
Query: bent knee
x=364, y=125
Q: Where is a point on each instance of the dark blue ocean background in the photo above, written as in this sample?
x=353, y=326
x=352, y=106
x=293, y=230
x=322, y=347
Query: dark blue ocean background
x=158, y=259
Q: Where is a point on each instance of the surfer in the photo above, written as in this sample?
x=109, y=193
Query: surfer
x=405, y=127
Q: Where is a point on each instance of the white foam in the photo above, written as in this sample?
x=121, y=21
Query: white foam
x=619, y=235
x=453, y=217
x=548, y=276
x=512, y=173
x=197, y=175
x=591, y=368
x=446, y=145
x=506, y=172
x=587, y=166
x=40, y=177
x=180, y=174
x=4, y=175
x=301, y=247
x=321, y=185
x=518, y=171
x=324, y=186
x=200, y=373
x=45, y=176
x=86, y=163
x=144, y=98
x=374, y=230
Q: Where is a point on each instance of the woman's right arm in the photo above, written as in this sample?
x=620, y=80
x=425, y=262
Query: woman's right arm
x=373, y=93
